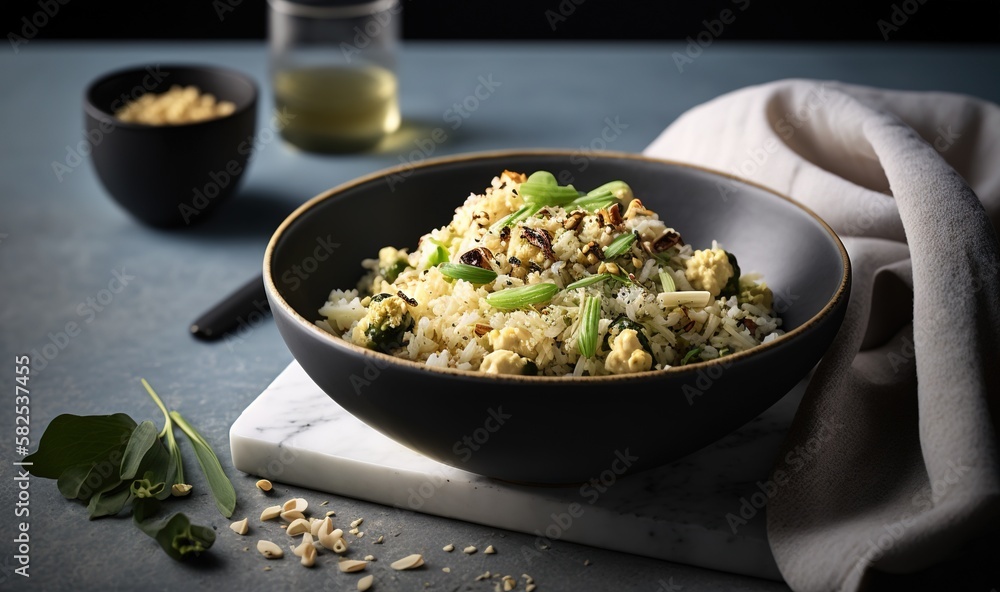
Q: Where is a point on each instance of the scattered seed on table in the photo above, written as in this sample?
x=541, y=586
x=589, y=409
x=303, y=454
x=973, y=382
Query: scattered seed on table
x=240, y=527
x=448, y=548
x=365, y=583
x=490, y=550
x=357, y=522
x=351, y=565
x=264, y=485
x=269, y=549
x=369, y=558
x=469, y=550
x=270, y=513
x=408, y=562
x=379, y=540
x=446, y=569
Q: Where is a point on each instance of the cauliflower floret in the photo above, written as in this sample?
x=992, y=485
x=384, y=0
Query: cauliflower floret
x=627, y=355
x=503, y=362
x=514, y=339
x=383, y=326
x=757, y=294
x=709, y=270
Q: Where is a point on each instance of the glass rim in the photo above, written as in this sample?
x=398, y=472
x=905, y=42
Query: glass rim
x=360, y=9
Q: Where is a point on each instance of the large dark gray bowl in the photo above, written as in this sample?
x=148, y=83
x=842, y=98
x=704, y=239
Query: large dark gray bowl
x=555, y=429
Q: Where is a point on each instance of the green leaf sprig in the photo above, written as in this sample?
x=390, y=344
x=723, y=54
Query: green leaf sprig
x=110, y=461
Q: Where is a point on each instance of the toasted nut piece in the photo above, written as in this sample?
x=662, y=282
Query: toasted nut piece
x=636, y=263
x=529, y=588
x=340, y=546
x=329, y=539
x=573, y=220
x=612, y=268
x=357, y=522
x=666, y=240
x=264, y=485
x=240, y=526
x=297, y=504
x=490, y=550
x=324, y=526
x=297, y=527
x=615, y=215
x=478, y=257
x=365, y=583
x=482, y=329
x=307, y=541
x=180, y=489
x=314, y=526
x=592, y=248
x=292, y=515
x=603, y=267
x=308, y=556
x=448, y=548
x=635, y=208
x=484, y=576
x=351, y=565
x=331, y=513
x=269, y=549
x=516, y=177
x=353, y=531
x=408, y=562
x=270, y=513
x=469, y=550
x=509, y=583
x=369, y=558
x=361, y=534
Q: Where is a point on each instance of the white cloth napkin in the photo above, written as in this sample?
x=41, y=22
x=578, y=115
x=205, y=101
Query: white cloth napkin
x=902, y=415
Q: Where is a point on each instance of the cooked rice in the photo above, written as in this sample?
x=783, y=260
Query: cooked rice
x=447, y=311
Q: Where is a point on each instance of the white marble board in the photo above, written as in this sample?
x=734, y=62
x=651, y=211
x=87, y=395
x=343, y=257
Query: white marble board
x=294, y=433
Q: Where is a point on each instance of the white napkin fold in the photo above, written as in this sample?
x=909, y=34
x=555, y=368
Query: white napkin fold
x=909, y=474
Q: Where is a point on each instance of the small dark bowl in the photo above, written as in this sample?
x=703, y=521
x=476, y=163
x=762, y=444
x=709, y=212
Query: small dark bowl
x=556, y=429
x=170, y=175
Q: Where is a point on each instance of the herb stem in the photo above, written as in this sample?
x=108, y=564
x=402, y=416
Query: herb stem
x=168, y=431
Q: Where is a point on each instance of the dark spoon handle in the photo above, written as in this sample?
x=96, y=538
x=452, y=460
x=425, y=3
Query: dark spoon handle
x=227, y=315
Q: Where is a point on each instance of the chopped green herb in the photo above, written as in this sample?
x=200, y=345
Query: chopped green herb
x=522, y=296
x=547, y=195
x=690, y=355
x=218, y=483
x=542, y=178
x=667, y=281
x=619, y=246
x=590, y=318
x=469, y=273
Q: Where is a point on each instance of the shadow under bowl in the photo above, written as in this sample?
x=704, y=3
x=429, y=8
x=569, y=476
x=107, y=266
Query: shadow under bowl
x=556, y=430
x=170, y=175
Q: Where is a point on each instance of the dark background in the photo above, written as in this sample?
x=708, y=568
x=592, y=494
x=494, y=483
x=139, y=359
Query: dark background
x=962, y=21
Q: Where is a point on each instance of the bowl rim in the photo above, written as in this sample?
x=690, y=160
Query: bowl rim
x=105, y=117
x=317, y=332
